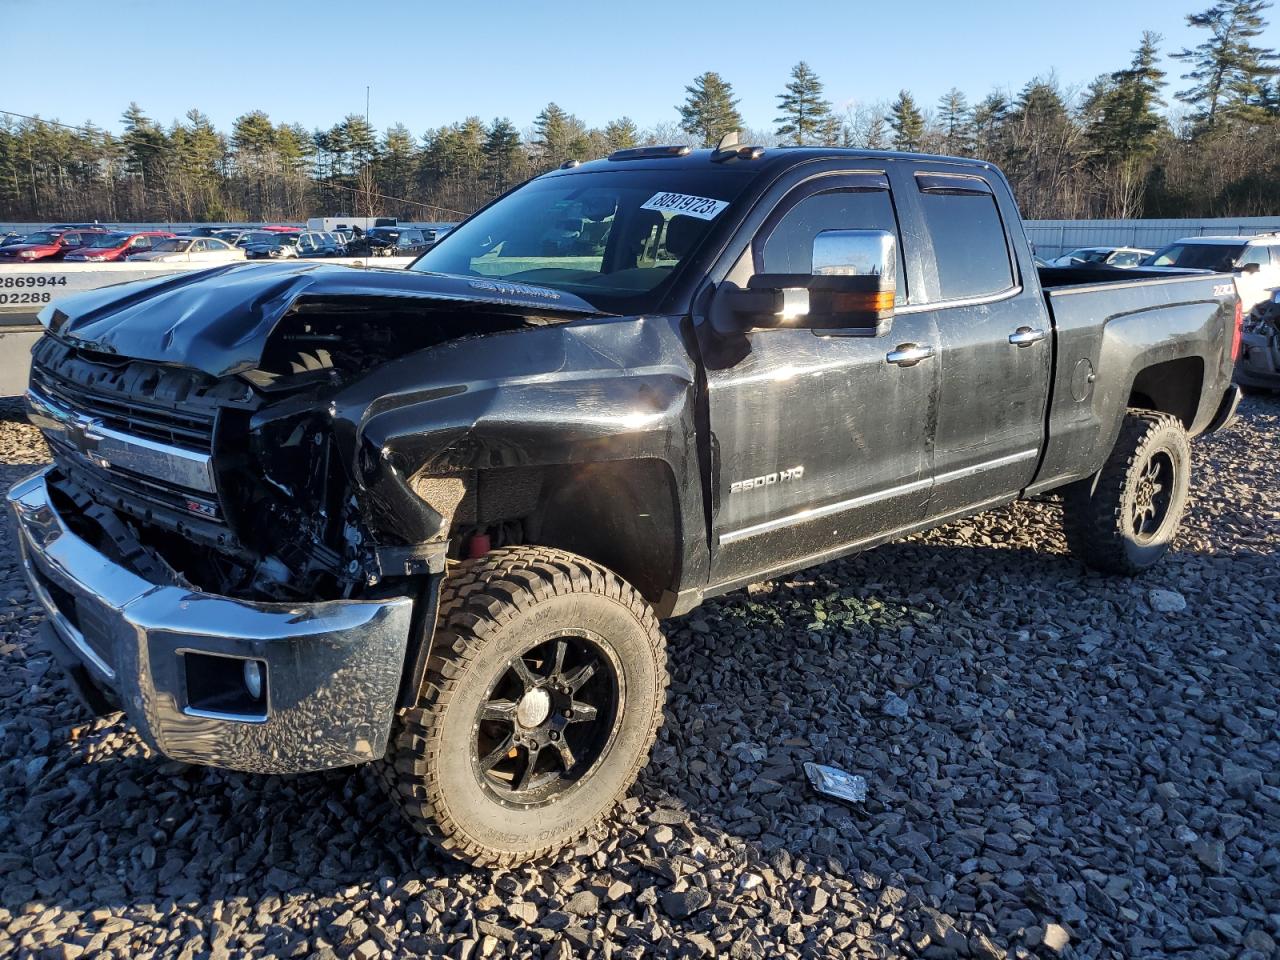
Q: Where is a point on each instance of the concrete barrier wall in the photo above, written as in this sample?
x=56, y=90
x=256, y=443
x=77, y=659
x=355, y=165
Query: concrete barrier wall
x=26, y=290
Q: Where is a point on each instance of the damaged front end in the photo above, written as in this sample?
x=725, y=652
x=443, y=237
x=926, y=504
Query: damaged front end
x=1259, y=361
x=259, y=485
x=227, y=554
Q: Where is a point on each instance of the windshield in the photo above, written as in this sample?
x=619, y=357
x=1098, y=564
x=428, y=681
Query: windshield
x=176, y=245
x=108, y=240
x=613, y=237
x=43, y=236
x=1198, y=256
x=1089, y=255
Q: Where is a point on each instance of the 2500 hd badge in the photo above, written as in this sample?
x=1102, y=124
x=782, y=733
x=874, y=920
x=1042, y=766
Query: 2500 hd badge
x=768, y=480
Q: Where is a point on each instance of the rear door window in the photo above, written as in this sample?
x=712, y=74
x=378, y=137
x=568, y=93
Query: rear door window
x=969, y=243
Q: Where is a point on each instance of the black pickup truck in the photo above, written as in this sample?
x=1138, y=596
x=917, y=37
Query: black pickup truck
x=306, y=516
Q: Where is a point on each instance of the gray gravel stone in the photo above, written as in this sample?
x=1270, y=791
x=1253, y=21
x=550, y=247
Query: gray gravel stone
x=1076, y=773
x=679, y=905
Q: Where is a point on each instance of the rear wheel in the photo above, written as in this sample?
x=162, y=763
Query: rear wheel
x=1124, y=520
x=543, y=696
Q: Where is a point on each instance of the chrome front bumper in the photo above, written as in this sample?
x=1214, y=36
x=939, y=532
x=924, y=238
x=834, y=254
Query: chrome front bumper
x=331, y=671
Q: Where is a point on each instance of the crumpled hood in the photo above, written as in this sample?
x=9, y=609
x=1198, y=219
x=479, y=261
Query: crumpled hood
x=218, y=320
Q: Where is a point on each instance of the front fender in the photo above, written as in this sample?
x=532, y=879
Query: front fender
x=597, y=391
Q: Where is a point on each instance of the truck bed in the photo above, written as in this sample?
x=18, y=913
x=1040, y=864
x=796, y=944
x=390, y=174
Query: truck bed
x=1176, y=328
x=1052, y=278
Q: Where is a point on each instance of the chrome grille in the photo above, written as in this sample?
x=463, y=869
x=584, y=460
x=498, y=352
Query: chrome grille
x=166, y=423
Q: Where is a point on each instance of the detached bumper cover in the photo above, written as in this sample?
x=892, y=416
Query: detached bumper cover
x=1259, y=363
x=333, y=669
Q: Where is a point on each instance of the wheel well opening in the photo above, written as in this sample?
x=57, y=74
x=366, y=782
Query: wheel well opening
x=1170, y=387
x=624, y=515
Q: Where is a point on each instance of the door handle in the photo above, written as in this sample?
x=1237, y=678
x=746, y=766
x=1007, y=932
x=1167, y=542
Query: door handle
x=1026, y=336
x=909, y=354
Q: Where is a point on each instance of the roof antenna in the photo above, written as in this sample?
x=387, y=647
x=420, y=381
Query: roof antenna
x=728, y=142
x=729, y=148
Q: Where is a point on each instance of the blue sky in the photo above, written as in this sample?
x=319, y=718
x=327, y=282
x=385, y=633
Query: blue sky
x=430, y=63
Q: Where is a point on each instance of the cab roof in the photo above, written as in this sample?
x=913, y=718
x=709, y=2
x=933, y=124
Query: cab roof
x=1223, y=240
x=770, y=160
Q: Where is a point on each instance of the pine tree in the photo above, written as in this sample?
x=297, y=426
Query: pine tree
x=989, y=118
x=144, y=143
x=560, y=136
x=1227, y=70
x=907, y=122
x=361, y=140
x=502, y=154
x=956, y=121
x=1126, y=121
x=806, y=117
x=621, y=134
x=710, y=110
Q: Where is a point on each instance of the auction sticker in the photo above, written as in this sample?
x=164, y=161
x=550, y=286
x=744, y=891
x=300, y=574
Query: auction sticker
x=704, y=208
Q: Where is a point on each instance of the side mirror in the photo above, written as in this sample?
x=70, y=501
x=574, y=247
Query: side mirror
x=851, y=289
x=1251, y=268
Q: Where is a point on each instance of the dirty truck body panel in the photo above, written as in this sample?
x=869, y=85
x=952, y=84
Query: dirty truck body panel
x=294, y=453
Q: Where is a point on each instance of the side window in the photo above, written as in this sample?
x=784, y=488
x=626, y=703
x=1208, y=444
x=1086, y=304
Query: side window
x=787, y=247
x=1260, y=255
x=199, y=246
x=969, y=244
x=1124, y=259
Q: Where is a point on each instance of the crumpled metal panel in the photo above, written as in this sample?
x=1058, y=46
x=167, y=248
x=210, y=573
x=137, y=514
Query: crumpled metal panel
x=218, y=321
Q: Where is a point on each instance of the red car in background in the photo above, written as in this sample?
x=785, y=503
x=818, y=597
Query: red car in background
x=115, y=246
x=47, y=245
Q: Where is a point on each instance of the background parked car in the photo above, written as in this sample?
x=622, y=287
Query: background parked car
x=232, y=234
x=211, y=230
x=1110, y=256
x=9, y=239
x=190, y=250
x=391, y=242
x=46, y=245
x=115, y=246
x=264, y=245
x=1254, y=260
x=317, y=244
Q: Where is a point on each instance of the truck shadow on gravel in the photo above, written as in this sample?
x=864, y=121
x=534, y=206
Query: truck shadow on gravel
x=1041, y=746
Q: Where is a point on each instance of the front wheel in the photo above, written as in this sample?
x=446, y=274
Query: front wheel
x=543, y=696
x=1124, y=520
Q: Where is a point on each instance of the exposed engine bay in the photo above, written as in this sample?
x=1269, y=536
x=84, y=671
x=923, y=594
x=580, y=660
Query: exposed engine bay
x=294, y=505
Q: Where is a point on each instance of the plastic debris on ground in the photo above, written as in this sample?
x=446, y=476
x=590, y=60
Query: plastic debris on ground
x=834, y=782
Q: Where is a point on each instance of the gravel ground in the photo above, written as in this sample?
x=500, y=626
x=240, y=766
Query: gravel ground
x=1058, y=764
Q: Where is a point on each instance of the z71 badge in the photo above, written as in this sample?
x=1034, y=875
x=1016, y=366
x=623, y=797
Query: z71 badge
x=768, y=480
